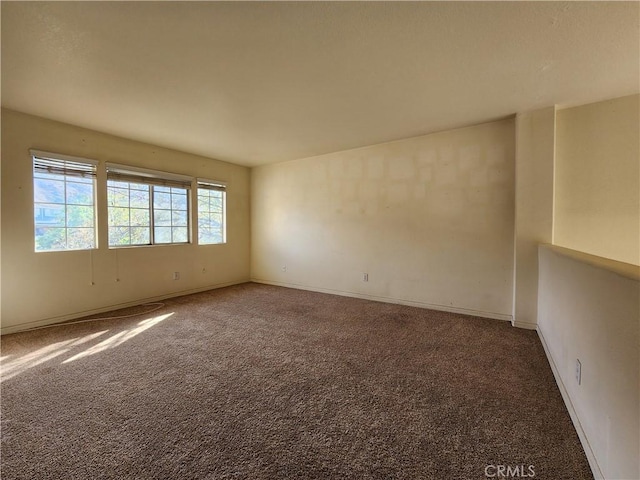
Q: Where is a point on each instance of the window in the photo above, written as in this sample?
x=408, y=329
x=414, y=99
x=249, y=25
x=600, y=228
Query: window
x=147, y=207
x=64, y=202
x=211, y=212
x=129, y=213
x=170, y=214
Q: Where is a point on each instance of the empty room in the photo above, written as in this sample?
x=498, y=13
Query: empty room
x=320, y=240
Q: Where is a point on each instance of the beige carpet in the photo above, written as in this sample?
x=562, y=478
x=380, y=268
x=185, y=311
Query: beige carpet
x=262, y=382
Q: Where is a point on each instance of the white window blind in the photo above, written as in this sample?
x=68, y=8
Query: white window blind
x=125, y=173
x=211, y=185
x=56, y=164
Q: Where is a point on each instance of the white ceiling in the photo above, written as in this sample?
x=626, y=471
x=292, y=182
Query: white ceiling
x=254, y=83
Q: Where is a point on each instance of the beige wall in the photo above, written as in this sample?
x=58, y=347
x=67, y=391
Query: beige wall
x=535, y=153
x=430, y=219
x=597, y=201
x=43, y=287
x=589, y=309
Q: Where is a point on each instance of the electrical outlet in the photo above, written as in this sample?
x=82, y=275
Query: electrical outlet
x=176, y=275
x=578, y=372
x=365, y=277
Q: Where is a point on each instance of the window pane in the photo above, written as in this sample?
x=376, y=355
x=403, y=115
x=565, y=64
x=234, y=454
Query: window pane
x=179, y=202
x=204, y=234
x=212, y=232
x=48, y=176
x=48, y=191
x=162, y=234
x=140, y=235
x=140, y=198
x=49, y=215
x=80, y=238
x=161, y=200
x=210, y=216
x=216, y=221
x=114, y=183
x=129, y=207
x=133, y=216
x=79, y=216
x=118, y=197
x=139, y=217
x=88, y=180
x=215, y=202
x=179, y=219
x=204, y=219
x=210, y=236
x=63, y=206
x=162, y=218
x=50, y=239
x=119, y=236
x=79, y=193
x=118, y=216
x=180, y=234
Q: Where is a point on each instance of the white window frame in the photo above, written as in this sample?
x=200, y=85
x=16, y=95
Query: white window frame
x=152, y=179
x=69, y=167
x=206, y=184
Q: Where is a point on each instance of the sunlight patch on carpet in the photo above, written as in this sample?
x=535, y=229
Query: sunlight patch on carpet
x=44, y=354
x=120, y=337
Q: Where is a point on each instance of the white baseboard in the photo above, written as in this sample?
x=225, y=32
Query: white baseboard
x=63, y=318
x=377, y=298
x=525, y=325
x=591, y=458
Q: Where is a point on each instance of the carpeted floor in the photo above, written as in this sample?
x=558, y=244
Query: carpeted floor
x=262, y=382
